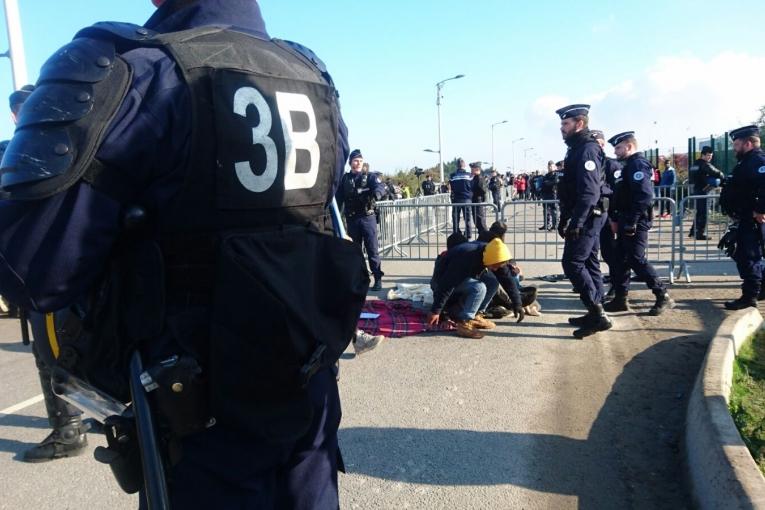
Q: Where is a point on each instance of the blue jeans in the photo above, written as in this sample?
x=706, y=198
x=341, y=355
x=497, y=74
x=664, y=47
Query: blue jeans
x=474, y=295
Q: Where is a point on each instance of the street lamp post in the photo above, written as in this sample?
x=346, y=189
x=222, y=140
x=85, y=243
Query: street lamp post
x=439, y=87
x=512, y=145
x=525, y=153
x=492, y=140
x=16, y=51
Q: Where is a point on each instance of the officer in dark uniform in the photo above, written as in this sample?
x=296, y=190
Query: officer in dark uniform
x=633, y=215
x=550, y=192
x=358, y=194
x=608, y=244
x=428, y=186
x=461, y=189
x=179, y=184
x=68, y=438
x=495, y=186
x=480, y=190
x=701, y=173
x=743, y=200
x=582, y=217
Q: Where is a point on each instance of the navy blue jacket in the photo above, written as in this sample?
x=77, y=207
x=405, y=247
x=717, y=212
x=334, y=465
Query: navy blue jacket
x=374, y=189
x=461, y=184
x=53, y=250
x=634, y=191
x=582, y=184
x=460, y=263
x=747, y=185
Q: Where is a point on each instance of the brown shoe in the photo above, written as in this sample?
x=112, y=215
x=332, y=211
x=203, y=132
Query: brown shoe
x=466, y=329
x=480, y=322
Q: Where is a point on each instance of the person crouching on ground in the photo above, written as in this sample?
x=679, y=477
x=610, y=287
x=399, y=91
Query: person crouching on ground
x=472, y=273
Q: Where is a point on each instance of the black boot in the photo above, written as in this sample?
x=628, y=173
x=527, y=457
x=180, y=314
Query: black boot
x=741, y=303
x=599, y=322
x=581, y=321
x=618, y=304
x=68, y=439
x=663, y=303
x=611, y=294
x=378, y=283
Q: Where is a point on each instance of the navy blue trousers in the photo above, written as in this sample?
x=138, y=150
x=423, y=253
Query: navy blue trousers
x=363, y=229
x=581, y=265
x=464, y=209
x=748, y=258
x=631, y=256
x=230, y=470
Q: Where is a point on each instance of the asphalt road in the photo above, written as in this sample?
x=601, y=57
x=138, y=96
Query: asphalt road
x=528, y=417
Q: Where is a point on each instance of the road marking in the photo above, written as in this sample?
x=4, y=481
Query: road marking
x=21, y=405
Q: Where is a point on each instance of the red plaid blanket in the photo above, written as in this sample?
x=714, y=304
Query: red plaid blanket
x=397, y=319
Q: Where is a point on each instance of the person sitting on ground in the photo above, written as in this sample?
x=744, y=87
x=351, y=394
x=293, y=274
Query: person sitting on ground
x=472, y=272
x=501, y=304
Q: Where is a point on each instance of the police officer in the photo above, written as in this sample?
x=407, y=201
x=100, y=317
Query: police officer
x=495, y=186
x=631, y=221
x=480, y=190
x=550, y=192
x=359, y=192
x=198, y=174
x=582, y=217
x=743, y=199
x=701, y=173
x=461, y=189
x=428, y=186
x=608, y=244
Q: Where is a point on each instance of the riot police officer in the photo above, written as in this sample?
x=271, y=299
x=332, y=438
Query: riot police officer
x=428, y=186
x=702, y=172
x=480, y=190
x=359, y=192
x=631, y=220
x=743, y=200
x=461, y=194
x=582, y=217
x=608, y=244
x=176, y=177
x=496, y=184
x=549, y=191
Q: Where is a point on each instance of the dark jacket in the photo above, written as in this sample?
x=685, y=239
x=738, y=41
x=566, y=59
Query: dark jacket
x=583, y=181
x=633, y=197
x=480, y=189
x=461, y=184
x=463, y=262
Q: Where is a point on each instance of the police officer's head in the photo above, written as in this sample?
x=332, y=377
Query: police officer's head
x=745, y=140
x=461, y=164
x=707, y=153
x=475, y=168
x=599, y=137
x=550, y=166
x=356, y=161
x=17, y=98
x=559, y=165
x=625, y=144
x=573, y=119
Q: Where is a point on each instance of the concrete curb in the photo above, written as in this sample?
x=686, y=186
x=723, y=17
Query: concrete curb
x=722, y=471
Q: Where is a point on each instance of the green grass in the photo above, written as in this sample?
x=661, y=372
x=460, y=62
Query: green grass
x=747, y=398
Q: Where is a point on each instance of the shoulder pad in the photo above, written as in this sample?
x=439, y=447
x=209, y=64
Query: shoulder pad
x=307, y=54
x=118, y=32
x=62, y=123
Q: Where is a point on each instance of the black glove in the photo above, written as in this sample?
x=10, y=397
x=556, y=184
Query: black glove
x=518, y=312
x=728, y=241
x=573, y=234
x=562, y=224
x=630, y=230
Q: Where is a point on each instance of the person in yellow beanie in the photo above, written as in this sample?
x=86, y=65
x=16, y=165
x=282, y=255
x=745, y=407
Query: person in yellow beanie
x=470, y=274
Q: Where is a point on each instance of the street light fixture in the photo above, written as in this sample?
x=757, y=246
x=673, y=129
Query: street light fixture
x=16, y=52
x=492, y=139
x=512, y=145
x=439, y=87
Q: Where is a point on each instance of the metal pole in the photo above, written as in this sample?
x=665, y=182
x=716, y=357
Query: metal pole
x=16, y=43
x=492, y=146
x=440, y=149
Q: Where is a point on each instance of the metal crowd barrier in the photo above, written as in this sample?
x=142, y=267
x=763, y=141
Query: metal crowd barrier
x=418, y=231
x=691, y=248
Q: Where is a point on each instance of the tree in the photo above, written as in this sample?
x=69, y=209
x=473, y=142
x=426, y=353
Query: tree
x=761, y=118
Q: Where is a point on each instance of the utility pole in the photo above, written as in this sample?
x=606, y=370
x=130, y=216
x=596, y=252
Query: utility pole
x=16, y=51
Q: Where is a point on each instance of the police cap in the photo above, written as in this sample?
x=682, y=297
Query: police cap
x=355, y=153
x=745, y=132
x=597, y=134
x=573, y=110
x=617, y=139
x=475, y=164
x=707, y=150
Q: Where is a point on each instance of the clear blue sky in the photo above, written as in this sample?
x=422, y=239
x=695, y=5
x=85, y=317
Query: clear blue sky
x=519, y=58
